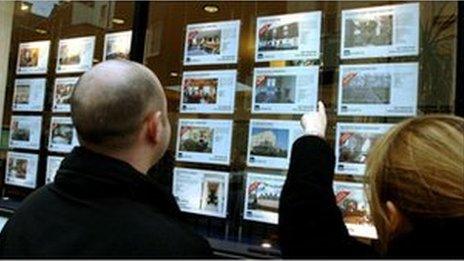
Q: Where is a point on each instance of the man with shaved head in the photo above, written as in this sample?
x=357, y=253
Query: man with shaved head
x=102, y=203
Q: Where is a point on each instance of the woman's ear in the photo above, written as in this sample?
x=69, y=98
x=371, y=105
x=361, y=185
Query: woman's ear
x=396, y=220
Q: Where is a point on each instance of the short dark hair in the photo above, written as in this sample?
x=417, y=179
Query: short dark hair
x=110, y=101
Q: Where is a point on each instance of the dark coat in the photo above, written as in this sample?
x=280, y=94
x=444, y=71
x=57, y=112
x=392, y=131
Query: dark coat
x=311, y=225
x=100, y=207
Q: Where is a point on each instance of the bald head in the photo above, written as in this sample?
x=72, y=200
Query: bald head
x=111, y=101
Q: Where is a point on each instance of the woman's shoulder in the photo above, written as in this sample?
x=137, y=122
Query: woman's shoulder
x=438, y=238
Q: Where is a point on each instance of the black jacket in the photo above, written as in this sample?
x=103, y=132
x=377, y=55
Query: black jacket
x=100, y=207
x=311, y=225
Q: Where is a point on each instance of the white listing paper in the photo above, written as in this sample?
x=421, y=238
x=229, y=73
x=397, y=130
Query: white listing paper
x=354, y=206
x=25, y=132
x=3, y=221
x=208, y=91
x=384, y=31
x=29, y=94
x=378, y=89
x=354, y=140
x=201, y=191
x=33, y=57
x=288, y=37
x=75, y=54
x=270, y=142
x=262, y=195
x=212, y=43
x=53, y=164
x=204, y=141
x=63, y=135
x=285, y=90
x=62, y=92
x=117, y=45
x=21, y=169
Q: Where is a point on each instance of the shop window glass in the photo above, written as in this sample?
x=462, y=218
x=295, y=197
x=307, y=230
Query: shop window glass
x=372, y=63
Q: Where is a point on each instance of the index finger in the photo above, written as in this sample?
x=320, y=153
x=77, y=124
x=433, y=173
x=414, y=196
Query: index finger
x=320, y=106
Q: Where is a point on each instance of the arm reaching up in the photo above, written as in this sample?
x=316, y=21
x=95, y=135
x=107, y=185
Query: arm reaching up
x=310, y=223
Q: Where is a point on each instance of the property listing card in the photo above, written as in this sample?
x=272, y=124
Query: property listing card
x=201, y=191
x=288, y=37
x=270, y=143
x=208, y=91
x=388, y=89
x=285, y=90
x=33, y=57
x=354, y=206
x=21, y=169
x=384, y=31
x=354, y=140
x=53, y=164
x=262, y=195
x=25, y=132
x=75, y=54
x=212, y=43
x=117, y=45
x=29, y=94
x=204, y=141
x=63, y=135
x=62, y=92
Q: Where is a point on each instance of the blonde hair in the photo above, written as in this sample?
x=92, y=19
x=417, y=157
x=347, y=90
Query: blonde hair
x=419, y=166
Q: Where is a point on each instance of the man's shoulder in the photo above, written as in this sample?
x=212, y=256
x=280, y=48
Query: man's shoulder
x=37, y=199
x=161, y=233
x=154, y=223
x=138, y=228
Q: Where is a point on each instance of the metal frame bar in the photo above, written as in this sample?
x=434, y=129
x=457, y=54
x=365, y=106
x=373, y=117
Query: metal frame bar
x=459, y=92
x=139, y=29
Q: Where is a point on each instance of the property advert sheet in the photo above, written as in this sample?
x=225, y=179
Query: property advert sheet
x=75, y=54
x=25, y=132
x=388, y=89
x=33, y=57
x=204, y=141
x=270, y=142
x=62, y=92
x=288, y=37
x=212, y=43
x=117, y=45
x=63, y=135
x=354, y=140
x=354, y=206
x=384, y=31
x=21, y=169
x=208, y=91
x=53, y=164
x=29, y=94
x=285, y=90
x=201, y=192
x=262, y=195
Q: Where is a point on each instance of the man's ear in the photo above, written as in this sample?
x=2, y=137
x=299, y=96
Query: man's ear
x=155, y=127
x=395, y=218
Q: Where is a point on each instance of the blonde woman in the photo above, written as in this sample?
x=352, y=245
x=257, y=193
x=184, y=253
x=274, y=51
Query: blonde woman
x=415, y=183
